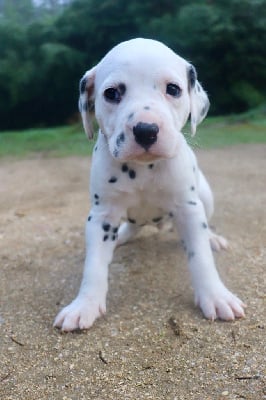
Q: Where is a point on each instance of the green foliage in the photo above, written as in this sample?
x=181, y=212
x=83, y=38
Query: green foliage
x=45, y=49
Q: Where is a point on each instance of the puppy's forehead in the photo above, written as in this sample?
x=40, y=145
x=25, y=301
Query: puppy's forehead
x=138, y=56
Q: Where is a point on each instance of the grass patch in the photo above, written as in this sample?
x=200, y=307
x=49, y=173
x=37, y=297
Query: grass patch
x=71, y=140
x=52, y=142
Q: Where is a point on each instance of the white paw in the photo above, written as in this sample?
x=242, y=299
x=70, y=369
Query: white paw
x=220, y=303
x=80, y=314
x=218, y=242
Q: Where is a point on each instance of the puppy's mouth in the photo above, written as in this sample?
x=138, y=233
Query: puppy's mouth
x=146, y=157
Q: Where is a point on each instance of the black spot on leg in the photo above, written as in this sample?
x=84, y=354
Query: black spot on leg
x=192, y=203
x=114, y=237
x=190, y=254
x=132, y=174
x=105, y=238
x=89, y=218
x=113, y=179
x=204, y=225
x=192, y=188
x=115, y=229
x=151, y=166
x=96, y=196
x=106, y=227
x=95, y=148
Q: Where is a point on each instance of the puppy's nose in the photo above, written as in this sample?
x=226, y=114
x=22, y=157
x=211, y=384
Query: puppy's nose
x=145, y=134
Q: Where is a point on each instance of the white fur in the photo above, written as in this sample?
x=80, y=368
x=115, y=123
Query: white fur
x=162, y=181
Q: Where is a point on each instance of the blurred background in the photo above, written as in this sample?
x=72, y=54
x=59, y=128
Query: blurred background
x=46, y=46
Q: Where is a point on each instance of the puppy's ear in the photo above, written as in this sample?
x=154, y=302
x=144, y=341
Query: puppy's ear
x=199, y=102
x=86, y=100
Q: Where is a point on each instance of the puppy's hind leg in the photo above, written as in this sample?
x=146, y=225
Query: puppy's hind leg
x=126, y=232
x=217, y=242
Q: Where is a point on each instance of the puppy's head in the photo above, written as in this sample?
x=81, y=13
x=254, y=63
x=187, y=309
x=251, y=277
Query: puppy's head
x=143, y=94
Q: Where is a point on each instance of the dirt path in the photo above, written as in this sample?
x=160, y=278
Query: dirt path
x=153, y=343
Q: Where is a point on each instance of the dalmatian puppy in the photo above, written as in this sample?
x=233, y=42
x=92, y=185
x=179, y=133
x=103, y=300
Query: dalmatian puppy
x=144, y=172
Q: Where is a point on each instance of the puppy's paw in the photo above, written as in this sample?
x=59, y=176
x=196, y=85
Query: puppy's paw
x=218, y=242
x=80, y=314
x=220, y=303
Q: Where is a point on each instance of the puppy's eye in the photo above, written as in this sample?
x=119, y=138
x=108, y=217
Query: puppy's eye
x=173, y=89
x=112, y=95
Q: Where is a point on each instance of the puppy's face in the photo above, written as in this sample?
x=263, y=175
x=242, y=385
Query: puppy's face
x=143, y=97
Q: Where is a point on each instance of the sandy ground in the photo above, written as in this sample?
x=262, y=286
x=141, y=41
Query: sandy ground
x=153, y=343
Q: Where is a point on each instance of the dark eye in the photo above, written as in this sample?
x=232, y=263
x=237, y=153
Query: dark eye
x=173, y=89
x=113, y=95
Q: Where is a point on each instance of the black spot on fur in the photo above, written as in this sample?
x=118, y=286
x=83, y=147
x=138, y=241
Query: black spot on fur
x=96, y=196
x=106, y=227
x=131, y=115
x=190, y=254
x=156, y=220
x=192, y=188
x=132, y=221
x=124, y=168
x=120, y=139
x=151, y=166
x=105, y=238
x=95, y=148
x=192, y=77
x=114, y=237
x=82, y=85
x=89, y=218
x=204, y=225
x=147, y=108
x=113, y=179
x=171, y=214
x=97, y=203
x=132, y=174
x=115, y=229
x=192, y=203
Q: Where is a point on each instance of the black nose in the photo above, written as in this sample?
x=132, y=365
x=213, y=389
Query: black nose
x=145, y=134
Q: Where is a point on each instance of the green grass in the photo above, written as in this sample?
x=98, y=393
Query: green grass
x=71, y=140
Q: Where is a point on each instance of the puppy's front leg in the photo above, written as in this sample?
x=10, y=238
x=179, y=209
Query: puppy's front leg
x=90, y=303
x=211, y=295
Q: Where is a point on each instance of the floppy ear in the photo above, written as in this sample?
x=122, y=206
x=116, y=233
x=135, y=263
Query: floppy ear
x=199, y=102
x=86, y=100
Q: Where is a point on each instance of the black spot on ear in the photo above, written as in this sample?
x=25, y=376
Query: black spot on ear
x=192, y=77
x=82, y=85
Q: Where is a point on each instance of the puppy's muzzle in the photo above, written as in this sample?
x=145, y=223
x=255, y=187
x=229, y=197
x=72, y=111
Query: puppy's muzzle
x=145, y=134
